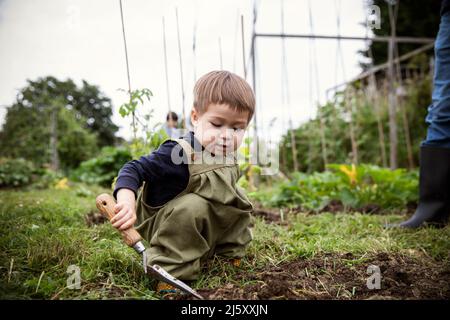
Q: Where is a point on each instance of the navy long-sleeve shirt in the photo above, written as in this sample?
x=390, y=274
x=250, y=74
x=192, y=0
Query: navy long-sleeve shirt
x=165, y=178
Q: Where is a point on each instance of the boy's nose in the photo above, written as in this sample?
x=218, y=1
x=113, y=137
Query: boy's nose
x=226, y=134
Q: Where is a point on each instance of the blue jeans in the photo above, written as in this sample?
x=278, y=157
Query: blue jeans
x=438, y=118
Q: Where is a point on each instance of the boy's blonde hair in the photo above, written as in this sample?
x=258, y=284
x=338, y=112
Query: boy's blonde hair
x=224, y=87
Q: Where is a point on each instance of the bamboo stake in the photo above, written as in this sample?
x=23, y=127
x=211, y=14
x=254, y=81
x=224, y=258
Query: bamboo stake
x=128, y=67
x=313, y=55
x=220, y=54
x=165, y=65
x=253, y=55
x=194, y=48
x=243, y=47
x=244, y=67
x=373, y=97
x=402, y=105
x=351, y=124
x=393, y=136
x=375, y=101
x=235, y=41
x=181, y=71
x=285, y=97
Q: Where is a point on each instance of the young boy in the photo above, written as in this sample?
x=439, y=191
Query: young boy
x=190, y=206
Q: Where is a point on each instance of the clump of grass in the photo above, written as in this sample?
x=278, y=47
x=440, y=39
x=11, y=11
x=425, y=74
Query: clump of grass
x=43, y=232
x=308, y=235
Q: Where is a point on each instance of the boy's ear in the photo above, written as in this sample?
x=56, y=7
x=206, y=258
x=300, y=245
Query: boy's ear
x=194, y=116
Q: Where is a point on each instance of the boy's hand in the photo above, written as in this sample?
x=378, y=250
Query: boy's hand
x=125, y=215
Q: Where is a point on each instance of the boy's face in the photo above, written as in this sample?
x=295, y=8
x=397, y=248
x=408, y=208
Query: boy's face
x=220, y=129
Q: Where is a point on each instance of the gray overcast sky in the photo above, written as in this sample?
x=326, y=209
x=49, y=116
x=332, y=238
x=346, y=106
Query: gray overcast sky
x=82, y=39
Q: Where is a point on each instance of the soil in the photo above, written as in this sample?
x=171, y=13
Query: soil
x=339, y=276
x=92, y=218
x=337, y=206
x=271, y=215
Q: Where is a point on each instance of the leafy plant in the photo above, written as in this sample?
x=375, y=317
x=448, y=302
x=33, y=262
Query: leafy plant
x=15, y=172
x=353, y=186
x=83, y=118
x=130, y=108
x=248, y=170
x=103, y=168
x=47, y=178
x=145, y=138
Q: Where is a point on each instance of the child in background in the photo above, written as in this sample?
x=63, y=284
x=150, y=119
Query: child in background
x=171, y=125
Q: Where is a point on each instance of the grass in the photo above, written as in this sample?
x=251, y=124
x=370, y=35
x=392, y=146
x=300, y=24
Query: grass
x=43, y=232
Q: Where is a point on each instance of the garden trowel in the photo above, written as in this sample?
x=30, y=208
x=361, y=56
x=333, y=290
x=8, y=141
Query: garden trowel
x=105, y=203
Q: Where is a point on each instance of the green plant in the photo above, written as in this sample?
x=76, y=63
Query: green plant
x=249, y=171
x=145, y=138
x=103, y=168
x=374, y=185
x=367, y=129
x=83, y=118
x=47, y=178
x=45, y=231
x=136, y=97
x=353, y=186
x=15, y=172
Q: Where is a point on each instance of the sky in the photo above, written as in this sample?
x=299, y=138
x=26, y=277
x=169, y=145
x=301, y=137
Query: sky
x=82, y=39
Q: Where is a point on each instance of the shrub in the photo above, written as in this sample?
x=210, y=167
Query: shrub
x=47, y=178
x=102, y=169
x=354, y=187
x=15, y=172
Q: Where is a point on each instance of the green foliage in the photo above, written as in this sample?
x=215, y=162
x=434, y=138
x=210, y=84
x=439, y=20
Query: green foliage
x=44, y=232
x=15, y=172
x=83, y=118
x=153, y=139
x=137, y=97
x=77, y=144
x=145, y=138
x=47, y=178
x=249, y=171
x=426, y=23
x=364, y=112
x=103, y=168
x=26, y=134
x=354, y=187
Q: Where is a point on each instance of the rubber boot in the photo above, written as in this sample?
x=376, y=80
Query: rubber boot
x=434, y=189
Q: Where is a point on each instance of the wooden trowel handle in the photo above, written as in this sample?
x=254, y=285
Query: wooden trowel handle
x=105, y=203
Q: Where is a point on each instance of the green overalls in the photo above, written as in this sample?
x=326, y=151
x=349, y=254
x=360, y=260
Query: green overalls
x=211, y=216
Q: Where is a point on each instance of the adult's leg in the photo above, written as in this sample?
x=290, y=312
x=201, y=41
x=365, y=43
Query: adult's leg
x=434, y=186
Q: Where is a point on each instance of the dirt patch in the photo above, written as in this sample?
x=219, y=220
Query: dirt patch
x=272, y=215
x=269, y=216
x=334, y=206
x=104, y=290
x=342, y=276
x=92, y=218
